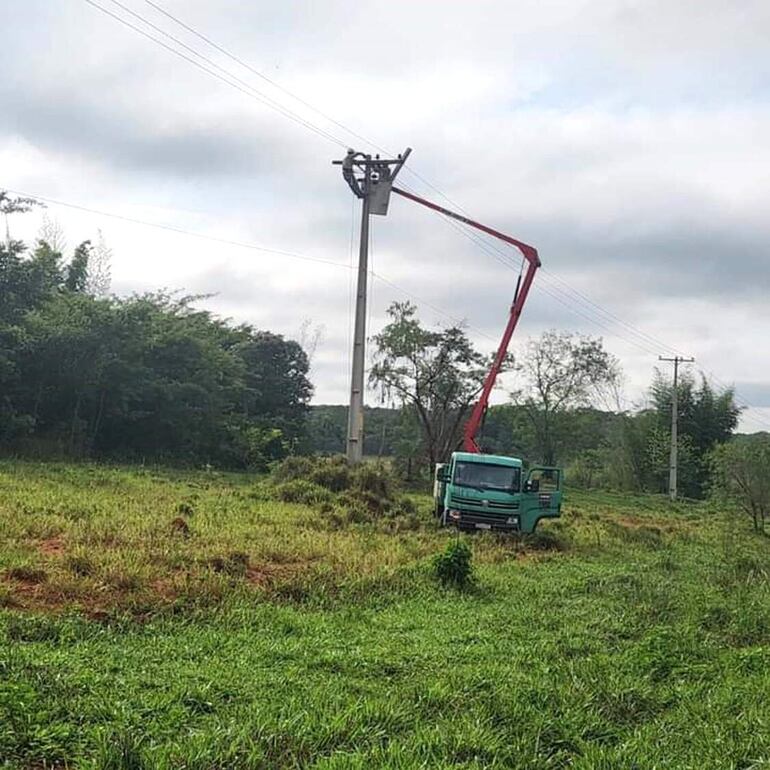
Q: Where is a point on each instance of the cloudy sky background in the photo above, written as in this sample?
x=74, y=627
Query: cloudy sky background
x=628, y=141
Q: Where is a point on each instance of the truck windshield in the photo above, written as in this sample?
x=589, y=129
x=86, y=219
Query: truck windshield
x=503, y=478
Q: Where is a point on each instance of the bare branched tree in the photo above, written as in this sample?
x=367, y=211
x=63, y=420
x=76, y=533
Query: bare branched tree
x=99, y=268
x=52, y=233
x=562, y=371
x=310, y=337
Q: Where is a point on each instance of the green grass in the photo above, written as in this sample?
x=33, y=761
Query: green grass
x=633, y=635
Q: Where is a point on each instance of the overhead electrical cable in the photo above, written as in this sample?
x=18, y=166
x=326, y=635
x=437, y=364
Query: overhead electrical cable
x=179, y=230
x=244, y=245
x=261, y=75
x=261, y=97
x=248, y=90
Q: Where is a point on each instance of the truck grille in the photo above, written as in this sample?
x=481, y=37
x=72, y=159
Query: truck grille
x=471, y=519
x=476, y=505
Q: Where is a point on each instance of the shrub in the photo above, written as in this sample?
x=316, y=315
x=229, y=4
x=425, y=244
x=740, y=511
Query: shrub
x=293, y=468
x=454, y=566
x=333, y=473
x=376, y=480
x=302, y=492
x=372, y=492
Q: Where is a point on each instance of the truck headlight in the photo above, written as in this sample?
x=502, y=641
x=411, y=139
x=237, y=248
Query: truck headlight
x=454, y=515
x=513, y=520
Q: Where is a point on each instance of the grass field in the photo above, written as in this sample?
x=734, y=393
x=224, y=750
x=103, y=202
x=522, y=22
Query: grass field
x=257, y=634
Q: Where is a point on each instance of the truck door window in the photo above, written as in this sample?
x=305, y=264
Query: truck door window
x=548, y=478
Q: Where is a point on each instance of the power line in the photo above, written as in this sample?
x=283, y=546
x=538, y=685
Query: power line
x=261, y=75
x=646, y=341
x=455, y=320
x=249, y=91
x=256, y=94
x=245, y=245
x=179, y=230
x=583, y=307
x=551, y=290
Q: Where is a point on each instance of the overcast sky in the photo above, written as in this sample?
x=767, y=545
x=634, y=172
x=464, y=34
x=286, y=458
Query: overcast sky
x=629, y=141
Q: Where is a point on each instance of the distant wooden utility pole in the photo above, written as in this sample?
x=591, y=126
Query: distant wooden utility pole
x=673, y=458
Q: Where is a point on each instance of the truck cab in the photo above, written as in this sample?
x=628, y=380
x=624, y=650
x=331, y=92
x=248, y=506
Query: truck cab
x=488, y=492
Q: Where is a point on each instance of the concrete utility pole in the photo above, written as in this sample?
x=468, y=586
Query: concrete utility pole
x=673, y=459
x=371, y=180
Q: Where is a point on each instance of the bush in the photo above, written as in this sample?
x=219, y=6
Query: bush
x=363, y=493
x=302, y=492
x=332, y=473
x=454, y=565
x=293, y=468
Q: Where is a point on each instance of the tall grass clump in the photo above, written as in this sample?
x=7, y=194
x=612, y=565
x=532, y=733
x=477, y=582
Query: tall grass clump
x=360, y=493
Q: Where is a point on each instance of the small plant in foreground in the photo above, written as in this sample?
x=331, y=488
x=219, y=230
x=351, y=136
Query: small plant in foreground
x=453, y=566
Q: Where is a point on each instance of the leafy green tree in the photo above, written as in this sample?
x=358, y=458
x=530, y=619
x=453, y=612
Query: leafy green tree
x=435, y=375
x=740, y=474
x=77, y=271
x=276, y=385
x=706, y=418
x=145, y=377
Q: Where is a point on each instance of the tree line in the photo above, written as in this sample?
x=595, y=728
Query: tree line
x=146, y=377
x=151, y=377
x=566, y=409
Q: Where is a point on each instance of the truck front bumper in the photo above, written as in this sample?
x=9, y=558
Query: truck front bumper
x=476, y=520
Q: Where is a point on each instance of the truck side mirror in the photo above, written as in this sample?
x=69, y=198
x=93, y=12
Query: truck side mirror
x=532, y=486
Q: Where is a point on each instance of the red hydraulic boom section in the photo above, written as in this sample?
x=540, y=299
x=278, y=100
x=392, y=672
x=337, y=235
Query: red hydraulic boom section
x=520, y=297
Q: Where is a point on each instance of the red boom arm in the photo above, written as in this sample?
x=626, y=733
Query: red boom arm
x=522, y=290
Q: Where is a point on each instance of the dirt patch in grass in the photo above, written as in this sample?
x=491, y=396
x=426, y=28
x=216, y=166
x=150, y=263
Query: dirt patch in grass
x=52, y=546
x=36, y=596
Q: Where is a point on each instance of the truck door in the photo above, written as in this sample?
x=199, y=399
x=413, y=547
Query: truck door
x=542, y=491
